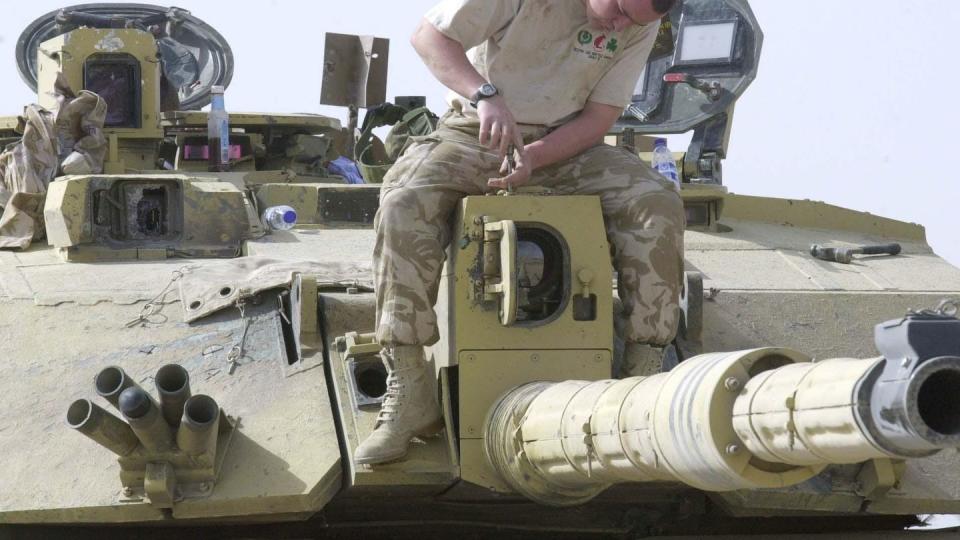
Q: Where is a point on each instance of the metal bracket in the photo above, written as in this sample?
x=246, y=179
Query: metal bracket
x=691, y=305
x=160, y=483
x=354, y=75
x=500, y=267
x=708, y=147
x=878, y=476
x=154, y=477
x=354, y=70
x=299, y=311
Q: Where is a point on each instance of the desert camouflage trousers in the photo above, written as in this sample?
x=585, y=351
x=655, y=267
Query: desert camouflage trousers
x=643, y=214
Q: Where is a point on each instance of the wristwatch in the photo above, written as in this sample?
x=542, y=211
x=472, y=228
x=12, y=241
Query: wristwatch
x=485, y=91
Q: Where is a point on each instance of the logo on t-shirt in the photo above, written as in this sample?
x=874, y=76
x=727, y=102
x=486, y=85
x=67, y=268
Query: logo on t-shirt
x=596, y=47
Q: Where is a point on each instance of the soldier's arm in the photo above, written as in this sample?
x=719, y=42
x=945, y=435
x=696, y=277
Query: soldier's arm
x=584, y=131
x=447, y=61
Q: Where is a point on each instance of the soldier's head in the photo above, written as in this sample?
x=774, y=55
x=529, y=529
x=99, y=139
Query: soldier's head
x=617, y=15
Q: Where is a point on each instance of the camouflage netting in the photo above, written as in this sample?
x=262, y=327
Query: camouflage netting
x=67, y=141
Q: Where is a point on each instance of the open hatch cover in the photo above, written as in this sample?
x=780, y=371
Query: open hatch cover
x=705, y=57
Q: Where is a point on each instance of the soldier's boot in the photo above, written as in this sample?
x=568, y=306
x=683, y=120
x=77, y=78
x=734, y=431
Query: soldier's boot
x=641, y=359
x=409, y=407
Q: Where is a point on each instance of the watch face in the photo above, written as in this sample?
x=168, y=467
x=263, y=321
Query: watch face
x=488, y=90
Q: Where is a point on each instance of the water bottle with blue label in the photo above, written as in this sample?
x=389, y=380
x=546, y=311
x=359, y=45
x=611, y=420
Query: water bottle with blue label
x=279, y=218
x=663, y=161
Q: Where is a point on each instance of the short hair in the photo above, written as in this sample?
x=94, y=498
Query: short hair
x=663, y=6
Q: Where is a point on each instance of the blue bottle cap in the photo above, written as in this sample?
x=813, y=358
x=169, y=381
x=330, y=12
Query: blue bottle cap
x=659, y=141
x=290, y=216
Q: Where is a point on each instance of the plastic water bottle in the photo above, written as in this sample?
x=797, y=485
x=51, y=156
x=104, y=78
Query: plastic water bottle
x=663, y=161
x=279, y=218
x=218, y=132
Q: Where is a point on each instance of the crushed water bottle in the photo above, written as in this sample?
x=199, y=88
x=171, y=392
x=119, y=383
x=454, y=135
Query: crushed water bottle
x=663, y=161
x=279, y=218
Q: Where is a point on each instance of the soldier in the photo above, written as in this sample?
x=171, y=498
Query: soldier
x=549, y=78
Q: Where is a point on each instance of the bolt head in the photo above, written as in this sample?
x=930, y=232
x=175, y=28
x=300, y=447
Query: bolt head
x=733, y=449
x=732, y=384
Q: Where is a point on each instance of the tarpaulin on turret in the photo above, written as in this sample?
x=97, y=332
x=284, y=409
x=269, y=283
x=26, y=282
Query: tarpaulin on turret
x=69, y=140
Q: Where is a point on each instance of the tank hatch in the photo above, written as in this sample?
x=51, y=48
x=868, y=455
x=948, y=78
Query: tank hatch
x=704, y=58
x=193, y=55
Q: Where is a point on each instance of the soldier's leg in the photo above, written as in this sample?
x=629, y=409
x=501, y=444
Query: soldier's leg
x=418, y=197
x=417, y=200
x=645, y=220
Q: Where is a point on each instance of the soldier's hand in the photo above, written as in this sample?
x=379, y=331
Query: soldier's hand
x=519, y=176
x=498, y=129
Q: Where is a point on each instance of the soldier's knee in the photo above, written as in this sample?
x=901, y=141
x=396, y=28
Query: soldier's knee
x=653, y=208
x=399, y=206
x=672, y=207
x=406, y=212
x=427, y=203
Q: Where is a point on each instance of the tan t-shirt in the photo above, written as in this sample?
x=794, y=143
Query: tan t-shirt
x=543, y=56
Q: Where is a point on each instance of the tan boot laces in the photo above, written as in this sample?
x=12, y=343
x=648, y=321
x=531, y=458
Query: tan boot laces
x=391, y=399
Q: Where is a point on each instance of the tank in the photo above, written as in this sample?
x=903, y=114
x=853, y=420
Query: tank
x=170, y=363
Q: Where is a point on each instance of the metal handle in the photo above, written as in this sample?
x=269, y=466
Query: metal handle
x=712, y=89
x=845, y=255
x=504, y=233
x=885, y=249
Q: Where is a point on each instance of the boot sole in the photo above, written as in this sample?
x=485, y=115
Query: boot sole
x=429, y=431
x=379, y=460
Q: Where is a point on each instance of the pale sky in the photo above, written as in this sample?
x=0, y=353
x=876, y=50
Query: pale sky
x=854, y=103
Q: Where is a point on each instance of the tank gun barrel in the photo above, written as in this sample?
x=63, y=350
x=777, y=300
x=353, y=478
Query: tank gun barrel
x=762, y=418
